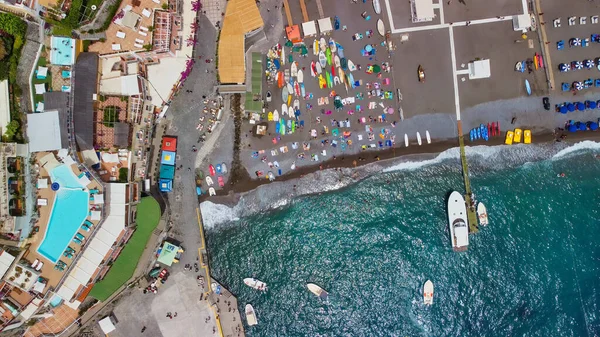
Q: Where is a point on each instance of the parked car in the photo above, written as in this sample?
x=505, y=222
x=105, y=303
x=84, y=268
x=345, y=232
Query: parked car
x=546, y=102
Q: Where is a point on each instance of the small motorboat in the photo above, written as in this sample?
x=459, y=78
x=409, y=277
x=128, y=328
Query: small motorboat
x=322, y=44
x=482, y=214
x=223, y=168
x=421, y=73
x=291, y=115
x=318, y=291
x=340, y=50
x=211, y=191
x=300, y=76
x=250, y=315
x=405, y=140
x=318, y=68
x=313, y=69
x=209, y=181
x=419, y=138
x=428, y=293
x=294, y=69
x=377, y=6
x=351, y=65
x=380, y=27
x=269, y=97
x=428, y=136
x=332, y=45
x=322, y=59
x=221, y=181
x=336, y=61
x=284, y=93
x=255, y=284
x=211, y=170
x=336, y=23
x=276, y=116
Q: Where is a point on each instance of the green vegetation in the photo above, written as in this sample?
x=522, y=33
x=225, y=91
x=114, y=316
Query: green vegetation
x=42, y=62
x=11, y=130
x=86, y=45
x=11, y=45
x=112, y=11
x=111, y=114
x=148, y=215
x=123, y=174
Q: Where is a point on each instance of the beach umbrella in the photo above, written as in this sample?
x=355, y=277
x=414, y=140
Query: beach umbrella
x=571, y=107
x=288, y=43
x=577, y=65
x=589, y=63
x=593, y=126
x=572, y=128
x=563, y=67
x=598, y=104
x=581, y=126
x=592, y=105
x=580, y=106
x=563, y=109
x=577, y=85
x=575, y=42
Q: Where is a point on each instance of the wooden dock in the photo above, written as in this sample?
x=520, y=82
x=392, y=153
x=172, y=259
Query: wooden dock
x=471, y=211
x=304, y=12
x=288, y=13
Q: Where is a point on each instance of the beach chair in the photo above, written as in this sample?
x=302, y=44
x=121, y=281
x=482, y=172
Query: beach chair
x=572, y=20
x=39, y=266
x=594, y=19
x=35, y=263
x=585, y=42
x=556, y=23
x=77, y=241
x=566, y=86
x=583, y=20
x=560, y=45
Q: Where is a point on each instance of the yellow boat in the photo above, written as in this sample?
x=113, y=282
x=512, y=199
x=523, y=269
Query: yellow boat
x=518, y=134
x=270, y=116
x=289, y=101
x=322, y=82
x=509, y=138
x=527, y=137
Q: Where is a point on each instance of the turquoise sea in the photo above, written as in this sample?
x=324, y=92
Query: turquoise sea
x=534, y=271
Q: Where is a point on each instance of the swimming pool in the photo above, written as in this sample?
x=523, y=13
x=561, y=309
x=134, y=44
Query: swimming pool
x=63, y=51
x=70, y=209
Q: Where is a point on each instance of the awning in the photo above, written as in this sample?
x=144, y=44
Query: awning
x=40, y=89
x=107, y=325
x=521, y=22
x=42, y=183
x=42, y=72
x=479, y=69
x=325, y=25
x=293, y=33
x=309, y=28
x=422, y=10
x=42, y=202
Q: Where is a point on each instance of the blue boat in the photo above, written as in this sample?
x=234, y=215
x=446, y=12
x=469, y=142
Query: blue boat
x=277, y=64
x=483, y=130
x=478, y=130
x=472, y=135
x=336, y=22
x=219, y=168
x=340, y=50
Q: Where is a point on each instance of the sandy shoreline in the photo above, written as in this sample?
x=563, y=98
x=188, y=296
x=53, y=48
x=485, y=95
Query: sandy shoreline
x=414, y=153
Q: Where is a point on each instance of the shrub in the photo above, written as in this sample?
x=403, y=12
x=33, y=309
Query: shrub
x=123, y=174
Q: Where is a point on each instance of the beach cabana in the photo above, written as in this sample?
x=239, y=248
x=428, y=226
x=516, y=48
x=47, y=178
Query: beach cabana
x=42, y=183
x=293, y=34
x=42, y=73
x=421, y=10
x=325, y=25
x=479, y=69
x=169, y=254
x=521, y=22
x=309, y=28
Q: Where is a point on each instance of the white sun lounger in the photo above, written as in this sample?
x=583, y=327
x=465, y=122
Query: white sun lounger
x=35, y=263
x=39, y=267
x=120, y=35
x=556, y=23
x=594, y=19
x=583, y=20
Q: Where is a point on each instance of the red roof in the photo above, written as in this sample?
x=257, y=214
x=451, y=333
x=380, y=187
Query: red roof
x=169, y=144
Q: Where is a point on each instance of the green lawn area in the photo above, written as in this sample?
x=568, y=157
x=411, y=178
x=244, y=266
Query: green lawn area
x=148, y=216
x=48, y=80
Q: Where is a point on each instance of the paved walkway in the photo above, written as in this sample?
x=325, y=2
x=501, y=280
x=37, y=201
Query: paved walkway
x=213, y=10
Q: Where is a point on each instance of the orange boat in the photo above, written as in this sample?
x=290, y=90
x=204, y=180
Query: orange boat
x=280, y=79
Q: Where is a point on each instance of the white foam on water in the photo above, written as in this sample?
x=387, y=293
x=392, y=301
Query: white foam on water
x=214, y=214
x=413, y=165
x=576, y=148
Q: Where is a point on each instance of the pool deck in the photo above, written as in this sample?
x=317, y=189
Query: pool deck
x=48, y=271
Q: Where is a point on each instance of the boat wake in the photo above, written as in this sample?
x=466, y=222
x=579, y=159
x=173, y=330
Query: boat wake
x=280, y=194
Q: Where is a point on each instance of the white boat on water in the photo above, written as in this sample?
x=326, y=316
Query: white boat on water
x=482, y=214
x=250, y=315
x=209, y=181
x=377, y=6
x=405, y=140
x=428, y=293
x=322, y=44
x=255, y=284
x=211, y=191
x=457, y=220
x=428, y=136
x=419, y=138
x=318, y=291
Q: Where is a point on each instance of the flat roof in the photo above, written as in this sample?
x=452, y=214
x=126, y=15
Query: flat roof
x=168, y=158
x=58, y=100
x=424, y=9
x=5, y=261
x=167, y=171
x=86, y=77
x=43, y=131
x=168, y=253
x=4, y=106
x=120, y=86
x=241, y=18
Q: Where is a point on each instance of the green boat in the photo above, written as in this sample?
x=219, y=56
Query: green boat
x=328, y=54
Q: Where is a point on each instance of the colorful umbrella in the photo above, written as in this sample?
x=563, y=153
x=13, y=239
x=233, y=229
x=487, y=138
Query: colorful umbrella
x=563, y=67
x=572, y=128
x=577, y=65
x=589, y=64
x=563, y=109
x=571, y=107
x=580, y=106
x=574, y=42
x=577, y=85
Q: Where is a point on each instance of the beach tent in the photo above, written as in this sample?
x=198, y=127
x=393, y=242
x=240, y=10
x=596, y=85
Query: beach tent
x=39, y=107
x=325, y=25
x=107, y=325
x=572, y=128
x=309, y=28
x=293, y=34
x=42, y=72
x=479, y=69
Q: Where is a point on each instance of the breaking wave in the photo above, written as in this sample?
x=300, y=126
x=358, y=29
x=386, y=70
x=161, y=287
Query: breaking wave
x=281, y=193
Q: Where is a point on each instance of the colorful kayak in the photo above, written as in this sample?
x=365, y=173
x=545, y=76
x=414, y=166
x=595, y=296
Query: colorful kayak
x=282, y=127
x=316, y=47
x=328, y=55
x=280, y=81
x=332, y=45
x=313, y=69
x=276, y=116
x=322, y=82
x=528, y=87
x=322, y=44
x=329, y=80
x=302, y=90
x=270, y=116
x=300, y=76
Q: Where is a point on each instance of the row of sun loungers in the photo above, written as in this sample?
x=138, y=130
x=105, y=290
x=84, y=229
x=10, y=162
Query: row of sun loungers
x=573, y=20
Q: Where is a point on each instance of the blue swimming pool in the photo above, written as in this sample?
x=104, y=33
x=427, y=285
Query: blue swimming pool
x=70, y=209
x=63, y=51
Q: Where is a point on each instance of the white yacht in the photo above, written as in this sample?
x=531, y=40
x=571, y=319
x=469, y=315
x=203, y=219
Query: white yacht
x=457, y=219
x=251, y=315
